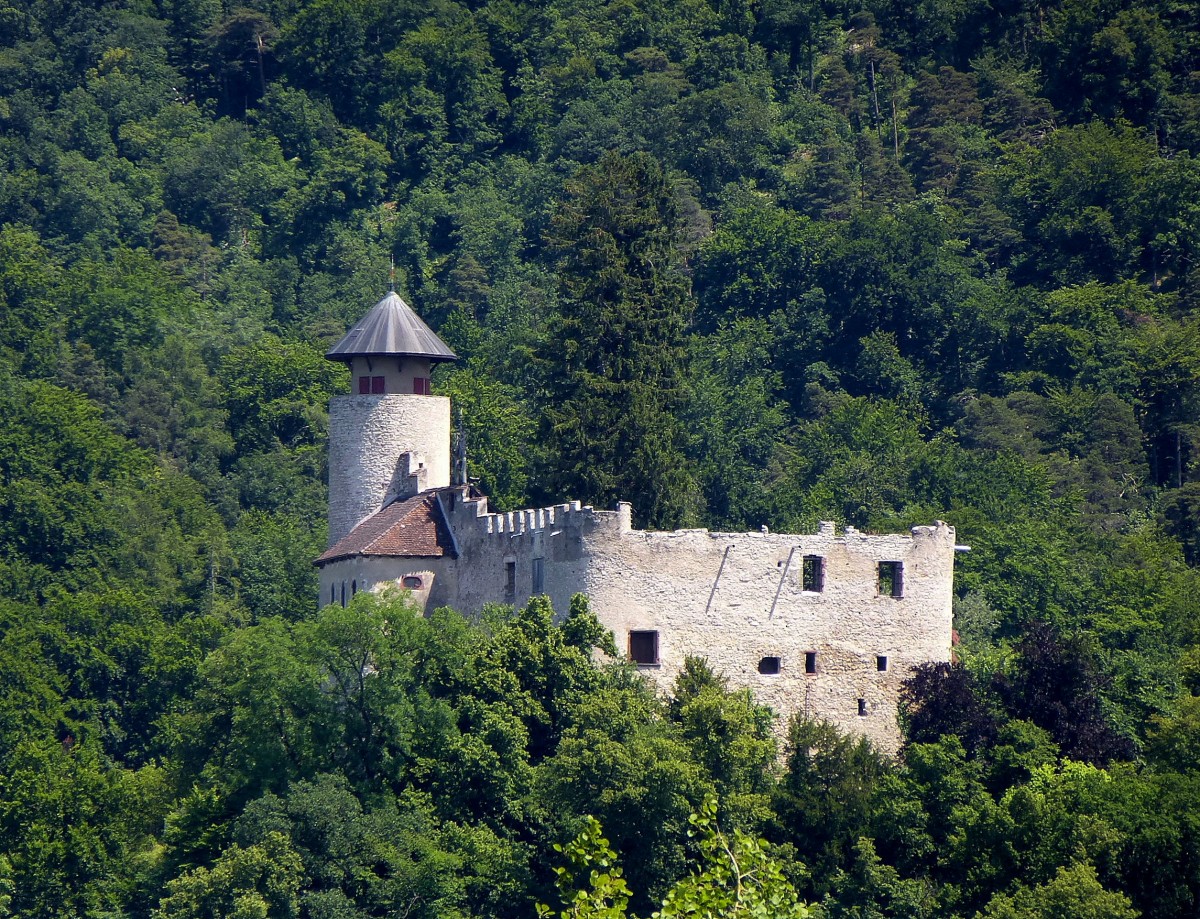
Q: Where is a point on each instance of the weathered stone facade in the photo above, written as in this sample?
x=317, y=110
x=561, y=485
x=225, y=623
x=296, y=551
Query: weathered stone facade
x=837, y=650
x=369, y=438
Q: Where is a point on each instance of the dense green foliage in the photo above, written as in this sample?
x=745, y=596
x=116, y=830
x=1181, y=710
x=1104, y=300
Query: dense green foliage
x=742, y=263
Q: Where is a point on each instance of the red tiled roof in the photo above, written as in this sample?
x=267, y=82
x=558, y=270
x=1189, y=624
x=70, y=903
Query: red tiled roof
x=411, y=527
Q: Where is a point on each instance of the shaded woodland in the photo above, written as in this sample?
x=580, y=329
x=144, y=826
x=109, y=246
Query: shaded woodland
x=741, y=263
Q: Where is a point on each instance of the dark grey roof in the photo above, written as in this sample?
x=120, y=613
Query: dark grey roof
x=391, y=328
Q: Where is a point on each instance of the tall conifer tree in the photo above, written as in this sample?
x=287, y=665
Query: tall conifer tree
x=613, y=361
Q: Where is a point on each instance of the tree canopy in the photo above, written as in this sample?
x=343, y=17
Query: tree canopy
x=741, y=264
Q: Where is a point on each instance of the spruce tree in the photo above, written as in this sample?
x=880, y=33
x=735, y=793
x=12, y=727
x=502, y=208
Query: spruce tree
x=613, y=359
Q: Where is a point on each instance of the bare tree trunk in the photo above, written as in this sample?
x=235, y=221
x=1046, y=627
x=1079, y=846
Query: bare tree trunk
x=875, y=102
x=895, y=131
x=1178, y=459
x=262, y=79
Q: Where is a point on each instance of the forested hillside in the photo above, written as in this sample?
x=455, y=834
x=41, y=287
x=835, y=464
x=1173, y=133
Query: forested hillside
x=741, y=263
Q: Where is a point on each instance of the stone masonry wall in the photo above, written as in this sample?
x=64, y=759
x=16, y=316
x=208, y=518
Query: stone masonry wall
x=736, y=599
x=368, y=436
x=733, y=599
x=489, y=543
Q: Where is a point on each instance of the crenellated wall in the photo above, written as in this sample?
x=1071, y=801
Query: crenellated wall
x=492, y=542
x=733, y=598
x=737, y=599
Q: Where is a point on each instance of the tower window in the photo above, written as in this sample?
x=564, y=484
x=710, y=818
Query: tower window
x=814, y=573
x=364, y=386
x=422, y=386
x=353, y=588
x=378, y=387
x=862, y=707
x=810, y=661
x=539, y=576
x=881, y=662
x=412, y=582
x=769, y=666
x=891, y=579
x=510, y=577
x=643, y=648
x=332, y=594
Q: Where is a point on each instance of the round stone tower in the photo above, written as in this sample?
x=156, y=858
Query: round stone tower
x=390, y=438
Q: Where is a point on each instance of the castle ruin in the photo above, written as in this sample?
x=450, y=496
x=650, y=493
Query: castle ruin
x=828, y=624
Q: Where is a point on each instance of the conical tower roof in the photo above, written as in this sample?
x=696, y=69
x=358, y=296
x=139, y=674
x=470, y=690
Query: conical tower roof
x=391, y=329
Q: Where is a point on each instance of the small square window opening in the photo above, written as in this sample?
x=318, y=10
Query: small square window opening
x=643, y=647
x=810, y=661
x=891, y=579
x=769, y=666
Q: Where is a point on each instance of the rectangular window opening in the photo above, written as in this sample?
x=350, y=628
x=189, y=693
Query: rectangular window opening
x=364, y=386
x=810, y=661
x=881, y=662
x=643, y=647
x=378, y=387
x=769, y=666
x=891, y=579
x=422, y=386
x=510, y=577
x=539, y=577
x=862, y=707
x=814, y=573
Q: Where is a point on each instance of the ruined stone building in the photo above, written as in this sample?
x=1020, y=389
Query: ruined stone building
x=827, y=623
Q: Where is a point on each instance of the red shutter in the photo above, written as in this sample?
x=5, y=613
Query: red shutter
x=377, y=388
x=364, y=386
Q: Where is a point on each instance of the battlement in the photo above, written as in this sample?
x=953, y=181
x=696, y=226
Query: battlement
x=522, y=521
x=474, y=512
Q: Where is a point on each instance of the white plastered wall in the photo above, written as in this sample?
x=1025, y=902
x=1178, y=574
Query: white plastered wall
x=377, y=573
x=397, y=372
